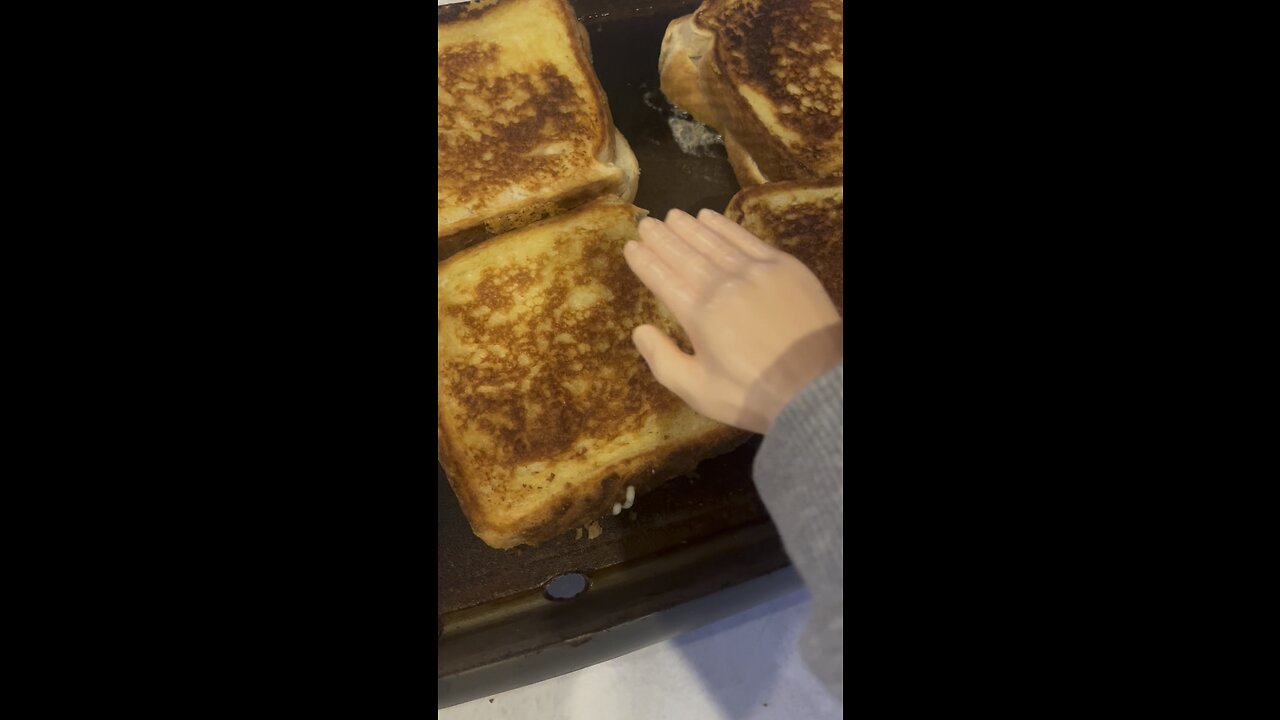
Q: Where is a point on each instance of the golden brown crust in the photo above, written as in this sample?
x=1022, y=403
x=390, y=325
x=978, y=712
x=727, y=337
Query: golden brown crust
x=748, y=197
x=804, y=219
x=737, y=118
x=591, y=501
x=678, y=71
x=745, y=168
x=780, y=48
x=516, y=130
x=625, y=159
x=789, y=55
x=450, y=245
x=516, y=393
x=546, y=411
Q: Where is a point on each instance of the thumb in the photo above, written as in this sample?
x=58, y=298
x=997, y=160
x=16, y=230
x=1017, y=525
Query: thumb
x=668, y=363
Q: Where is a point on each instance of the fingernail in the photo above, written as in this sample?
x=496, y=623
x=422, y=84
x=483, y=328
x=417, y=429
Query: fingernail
x=675, y=213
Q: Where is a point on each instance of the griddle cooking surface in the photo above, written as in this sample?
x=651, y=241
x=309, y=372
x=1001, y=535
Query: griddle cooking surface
x=624, y=48
x=686, y=509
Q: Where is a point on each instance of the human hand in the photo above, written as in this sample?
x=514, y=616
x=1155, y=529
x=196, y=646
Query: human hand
x=761, y=325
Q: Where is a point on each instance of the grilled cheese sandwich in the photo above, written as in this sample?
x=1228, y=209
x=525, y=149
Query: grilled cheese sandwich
x=546, y=411
x=769, y=76
x=523, y=128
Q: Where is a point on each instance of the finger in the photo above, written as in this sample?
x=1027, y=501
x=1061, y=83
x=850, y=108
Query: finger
x=744, y=239
x=656, y=276
x=718, y=250
x=671, y=366
x=676, y=253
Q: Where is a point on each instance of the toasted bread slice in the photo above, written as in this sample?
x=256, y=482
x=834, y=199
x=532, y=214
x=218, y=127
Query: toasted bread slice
x=523, y=127
x=769, y=75
x=744, y=166
x=546, y=411
x=804, y=219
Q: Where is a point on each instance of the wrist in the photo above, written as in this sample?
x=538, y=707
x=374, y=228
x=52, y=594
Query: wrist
x=804, y=362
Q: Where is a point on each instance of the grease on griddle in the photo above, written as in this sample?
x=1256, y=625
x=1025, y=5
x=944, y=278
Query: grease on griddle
x=692, y=137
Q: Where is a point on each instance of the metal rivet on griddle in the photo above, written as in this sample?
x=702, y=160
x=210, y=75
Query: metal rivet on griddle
x=566, y=587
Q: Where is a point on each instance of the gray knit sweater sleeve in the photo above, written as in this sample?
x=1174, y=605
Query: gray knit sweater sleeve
x=800, y=474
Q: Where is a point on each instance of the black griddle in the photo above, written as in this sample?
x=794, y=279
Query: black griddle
x=689, y=538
